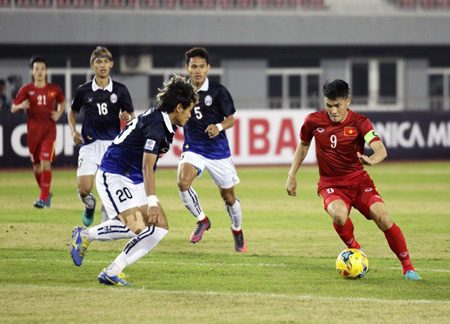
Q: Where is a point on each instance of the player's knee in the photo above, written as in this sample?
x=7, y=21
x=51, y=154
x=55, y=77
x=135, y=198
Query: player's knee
x=340, y=218
x=136, y=227
x=83, y=192
x=229, y=199
x=183, y=184
x=383, y=221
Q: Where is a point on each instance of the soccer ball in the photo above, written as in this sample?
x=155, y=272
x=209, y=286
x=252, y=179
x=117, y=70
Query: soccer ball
x=352, y=264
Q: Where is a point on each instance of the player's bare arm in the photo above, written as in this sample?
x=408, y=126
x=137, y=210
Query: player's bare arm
x=76, y=136
x=57, y=114
x=379, y=154
x=214, y=130
x=23, y=105
x=126, y=116
x=153, y=210
x=299, y=157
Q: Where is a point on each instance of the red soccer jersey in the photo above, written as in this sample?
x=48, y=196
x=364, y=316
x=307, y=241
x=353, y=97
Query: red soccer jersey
x=337, y=143
x=42, y=103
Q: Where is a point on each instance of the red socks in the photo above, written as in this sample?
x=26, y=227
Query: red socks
x=397, y=243
x=46, y=179
x=346, y=234
x=38, y=178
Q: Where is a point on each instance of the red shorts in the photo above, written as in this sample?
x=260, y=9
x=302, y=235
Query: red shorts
x=356, y=191
x=43, y=150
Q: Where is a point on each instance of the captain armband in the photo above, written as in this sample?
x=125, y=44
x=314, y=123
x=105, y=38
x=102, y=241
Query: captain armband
x=370, y=136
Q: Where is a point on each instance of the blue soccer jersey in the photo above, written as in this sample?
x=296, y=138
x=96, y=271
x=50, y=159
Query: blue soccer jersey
x=151, y=132
x=101, y=109
x=215, y=104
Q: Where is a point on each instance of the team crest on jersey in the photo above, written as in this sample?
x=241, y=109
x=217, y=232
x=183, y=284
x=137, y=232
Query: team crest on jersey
x=208, y=100
x=150, y=144
x=31, y=93
x=113, y=98
x=350, y=131
x=320, y=130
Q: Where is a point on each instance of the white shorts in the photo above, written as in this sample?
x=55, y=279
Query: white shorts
x=90, y=157
x=222, y=171
x=118, y=193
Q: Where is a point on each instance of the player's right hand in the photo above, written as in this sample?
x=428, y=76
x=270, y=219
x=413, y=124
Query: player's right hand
x=291, y=187
x=153, y=215
x=25, y=104
x=77, y=138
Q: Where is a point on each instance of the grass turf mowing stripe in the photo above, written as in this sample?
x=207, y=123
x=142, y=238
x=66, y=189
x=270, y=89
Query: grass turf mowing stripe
x=202, y=264
x=245, y=294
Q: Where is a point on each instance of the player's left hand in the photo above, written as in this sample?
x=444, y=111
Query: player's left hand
x=364, y=159
x=55, y=116
x=153, y=213
x=125, y=116
x=212, y=131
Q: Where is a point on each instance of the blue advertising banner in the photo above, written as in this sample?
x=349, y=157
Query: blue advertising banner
x=413, y=135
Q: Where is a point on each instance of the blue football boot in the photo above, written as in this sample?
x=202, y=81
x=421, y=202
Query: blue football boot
x=48, y=200
x=118, y=280
x=88, y=215
x=412, y=275
x=39, y=203
x=78, y=247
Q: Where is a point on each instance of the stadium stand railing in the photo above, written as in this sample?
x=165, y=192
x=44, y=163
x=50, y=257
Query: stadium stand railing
x=166, y=4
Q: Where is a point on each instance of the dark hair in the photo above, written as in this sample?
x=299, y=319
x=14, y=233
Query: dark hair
x=2, y=82
x=176, y=90
x=197, y=52
x=37, y=59
x=335, y=89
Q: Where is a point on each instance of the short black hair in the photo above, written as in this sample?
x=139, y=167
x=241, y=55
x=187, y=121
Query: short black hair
x=335, y=89
x=197, y=52
x=36, y=59
x=176, y=90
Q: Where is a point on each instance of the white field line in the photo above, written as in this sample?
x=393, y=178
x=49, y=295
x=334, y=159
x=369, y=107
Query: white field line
x=420, y=269
x=208, y=264
x=160, y=262
x=236, y=294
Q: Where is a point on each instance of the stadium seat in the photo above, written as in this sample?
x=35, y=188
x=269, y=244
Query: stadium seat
x=209, y=4
x=168, y=4
x=226, y=4
x=188, y=4
x=152, y=4
x=245, y=4
x=75, y=3
x=280, y=4
x=427, y=4
x=408, y=4
x=445, y=4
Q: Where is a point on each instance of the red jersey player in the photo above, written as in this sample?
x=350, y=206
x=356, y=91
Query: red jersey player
x=340, y=135
x=39, y=99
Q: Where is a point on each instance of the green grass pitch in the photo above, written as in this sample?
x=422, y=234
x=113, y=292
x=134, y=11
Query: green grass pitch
x=286, y=276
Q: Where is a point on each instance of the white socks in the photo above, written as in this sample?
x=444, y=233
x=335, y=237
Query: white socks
x=112, y=229
x=88, y=200
x=136, y=249
x=235, y=213
x=191, y=202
